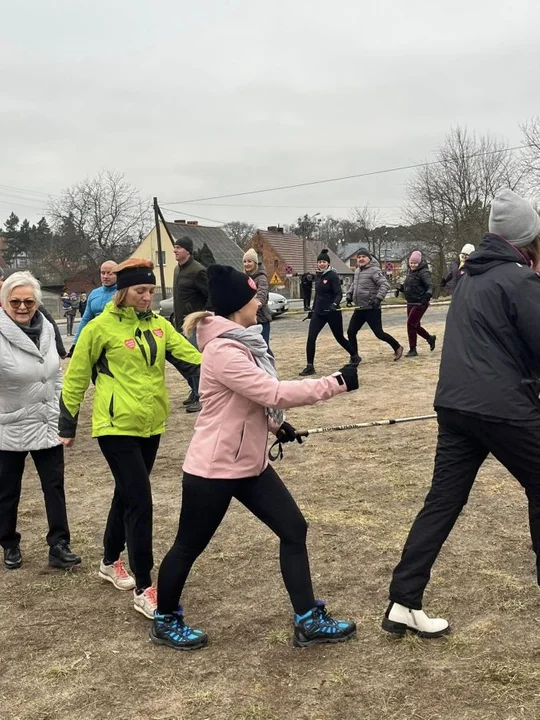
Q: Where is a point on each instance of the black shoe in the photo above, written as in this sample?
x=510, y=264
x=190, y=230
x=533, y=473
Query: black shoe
x=190, y=399
x=431, y=342
x=355, y=360
x=308, y=370
x=194, y=407
x=12, y=557
x=60, y=556
x=172, y=631
x=412, y=353
x=317, y=626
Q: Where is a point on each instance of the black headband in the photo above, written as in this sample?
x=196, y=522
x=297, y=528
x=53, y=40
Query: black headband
x=134, y=276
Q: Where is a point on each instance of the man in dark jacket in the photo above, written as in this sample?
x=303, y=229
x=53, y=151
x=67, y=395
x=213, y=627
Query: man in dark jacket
x=486, y=399
x=326, y=310
x=367, y=291
x=306, y=285
x=190, y=294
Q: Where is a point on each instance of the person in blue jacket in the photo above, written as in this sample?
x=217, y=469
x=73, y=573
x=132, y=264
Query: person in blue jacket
x=98, y=298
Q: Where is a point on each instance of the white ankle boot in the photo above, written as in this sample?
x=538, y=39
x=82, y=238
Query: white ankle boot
x=398, y=619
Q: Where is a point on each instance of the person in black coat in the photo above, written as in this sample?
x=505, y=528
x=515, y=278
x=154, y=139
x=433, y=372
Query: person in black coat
x=486, y=400
x=418, y=291
x=306, y=286
x=325, y=309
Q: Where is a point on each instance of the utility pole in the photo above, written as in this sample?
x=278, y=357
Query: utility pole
x=157, y=213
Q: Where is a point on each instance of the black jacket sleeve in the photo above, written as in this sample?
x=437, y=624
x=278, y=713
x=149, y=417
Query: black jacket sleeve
x=60, y=349
x=427, y=281
x=336, y=289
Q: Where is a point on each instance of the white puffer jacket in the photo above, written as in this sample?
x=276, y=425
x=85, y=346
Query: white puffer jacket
x=30, y=385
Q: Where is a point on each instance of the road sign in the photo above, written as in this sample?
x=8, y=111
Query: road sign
x=276, y=280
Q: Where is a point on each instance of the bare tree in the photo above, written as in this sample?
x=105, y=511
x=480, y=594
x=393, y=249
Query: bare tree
x=366, y=225
x=106, y=213
x=240, y=232
x=449, y=202
x=531, y=155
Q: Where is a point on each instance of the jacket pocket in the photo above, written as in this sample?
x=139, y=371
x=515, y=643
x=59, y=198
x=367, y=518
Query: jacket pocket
x=111, y=406
x=242, y=434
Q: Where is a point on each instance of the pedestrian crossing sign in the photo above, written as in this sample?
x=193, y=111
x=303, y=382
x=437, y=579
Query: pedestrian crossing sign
x=275, y=279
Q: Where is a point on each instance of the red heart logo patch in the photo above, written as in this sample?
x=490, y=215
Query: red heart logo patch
x=130, y=343
x=158, y=333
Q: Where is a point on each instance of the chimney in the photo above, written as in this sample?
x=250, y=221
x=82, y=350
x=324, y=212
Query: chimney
x=180, y=222
x=280, y=230
x=272, y=228
x=192, y=222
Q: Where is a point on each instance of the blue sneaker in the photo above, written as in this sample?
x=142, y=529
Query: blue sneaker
x=171, y=630
x=317, y=626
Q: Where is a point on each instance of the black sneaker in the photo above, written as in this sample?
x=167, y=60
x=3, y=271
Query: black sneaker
x=308, y=370
x=194, y=407
x=355, y=360
x=172, y=631
x=12, y=557
x=60, y=556
x=412, y=353
x=317, y=626
x=431, y=342
x=189, y=400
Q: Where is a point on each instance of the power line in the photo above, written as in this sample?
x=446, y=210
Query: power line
x=298, y=205
x=28, y=192
x=344, y=177
x=198, y=217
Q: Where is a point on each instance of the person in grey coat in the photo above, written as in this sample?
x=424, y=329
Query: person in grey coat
x=30, y=384
x=367, y=291
x=255, y=270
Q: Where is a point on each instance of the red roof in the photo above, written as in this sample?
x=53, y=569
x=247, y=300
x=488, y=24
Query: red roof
x=289, y=247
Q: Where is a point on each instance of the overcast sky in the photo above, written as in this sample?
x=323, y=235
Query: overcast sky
x=195, y=99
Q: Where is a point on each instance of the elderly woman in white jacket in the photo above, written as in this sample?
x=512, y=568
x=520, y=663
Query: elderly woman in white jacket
x=30, y=384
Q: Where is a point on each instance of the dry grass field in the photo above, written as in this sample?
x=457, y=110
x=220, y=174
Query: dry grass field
x=72, y=647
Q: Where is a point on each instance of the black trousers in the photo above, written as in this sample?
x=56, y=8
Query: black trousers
x=317, y=323
x=374, y=319
x=131, y=460
x=204, y=504
x=463, y=444
x=50, y=467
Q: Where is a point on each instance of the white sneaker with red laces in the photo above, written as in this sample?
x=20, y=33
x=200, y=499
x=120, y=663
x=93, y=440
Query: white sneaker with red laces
x=146, y=602
x=117, y=575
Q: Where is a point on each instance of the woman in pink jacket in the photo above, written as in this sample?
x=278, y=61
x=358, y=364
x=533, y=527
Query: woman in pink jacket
x=242, y=399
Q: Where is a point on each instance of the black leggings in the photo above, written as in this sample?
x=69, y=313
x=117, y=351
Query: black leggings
x=130, y=518
x=316, y=324
x=374, y=319
x=204, y=504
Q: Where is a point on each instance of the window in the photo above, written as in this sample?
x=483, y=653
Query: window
x=20, y=260
x=163, y=258
x=276, y=264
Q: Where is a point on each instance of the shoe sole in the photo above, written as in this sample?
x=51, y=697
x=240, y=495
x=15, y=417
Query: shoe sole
x=13, y=566
x=143, y=612
x=401, y=629
x=398, y=356
x=322, y=641
x=111, y=580
x=159, y=641
x=61, y=565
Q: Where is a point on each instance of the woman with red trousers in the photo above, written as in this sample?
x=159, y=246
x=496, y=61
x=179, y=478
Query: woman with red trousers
x=418, y=290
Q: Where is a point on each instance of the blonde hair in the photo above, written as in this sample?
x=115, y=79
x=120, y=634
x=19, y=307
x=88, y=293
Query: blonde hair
x=22, y=278
x=119, y=297
x=193, y=319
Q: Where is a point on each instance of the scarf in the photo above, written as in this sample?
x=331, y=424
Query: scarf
x=34, y=329
x=252, y=339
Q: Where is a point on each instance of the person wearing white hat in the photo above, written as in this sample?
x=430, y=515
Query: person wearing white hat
x=453, y=276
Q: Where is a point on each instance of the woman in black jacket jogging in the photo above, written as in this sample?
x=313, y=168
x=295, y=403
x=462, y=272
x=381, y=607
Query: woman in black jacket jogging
x=325, y=309
x=418, y=290
x=486, y=400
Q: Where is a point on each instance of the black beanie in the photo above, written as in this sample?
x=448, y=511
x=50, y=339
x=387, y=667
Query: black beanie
x=324, y=256
x=363, y=251
x=186, y=243
x=229, y=289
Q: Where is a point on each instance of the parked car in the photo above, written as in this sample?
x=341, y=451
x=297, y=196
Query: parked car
x=277, y=304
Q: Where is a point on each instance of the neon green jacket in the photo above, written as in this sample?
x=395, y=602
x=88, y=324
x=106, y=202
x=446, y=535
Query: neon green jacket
x=125, y=357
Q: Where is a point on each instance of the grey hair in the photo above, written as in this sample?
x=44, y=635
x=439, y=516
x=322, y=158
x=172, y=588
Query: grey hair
x=20, y=279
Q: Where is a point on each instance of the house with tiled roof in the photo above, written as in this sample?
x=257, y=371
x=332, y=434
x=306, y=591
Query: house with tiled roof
x=224, y=250
x=287, y=256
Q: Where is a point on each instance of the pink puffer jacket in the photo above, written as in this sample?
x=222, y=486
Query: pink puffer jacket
x=231, y=432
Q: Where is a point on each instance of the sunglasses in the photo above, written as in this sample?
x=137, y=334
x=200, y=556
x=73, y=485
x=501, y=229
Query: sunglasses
x=16, y=303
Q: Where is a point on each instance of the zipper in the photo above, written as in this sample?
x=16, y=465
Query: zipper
x=111, y=406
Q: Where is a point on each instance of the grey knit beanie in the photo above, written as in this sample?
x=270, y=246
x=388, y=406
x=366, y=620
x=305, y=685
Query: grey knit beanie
x=514, y=218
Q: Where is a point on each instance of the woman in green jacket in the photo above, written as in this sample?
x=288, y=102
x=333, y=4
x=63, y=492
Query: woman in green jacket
x=124, y=351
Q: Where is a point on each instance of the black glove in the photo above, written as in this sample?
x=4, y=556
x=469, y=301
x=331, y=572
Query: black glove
x=308, y=316
x=443, y=282
x=349, y=302
x=333, y=307
x=375, y=303
x=349, y=373
x=287, y=433
x=71, y=350
x=426, y=299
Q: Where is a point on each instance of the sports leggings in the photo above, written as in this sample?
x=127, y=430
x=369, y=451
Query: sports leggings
x=204, y=504
x=317, y=323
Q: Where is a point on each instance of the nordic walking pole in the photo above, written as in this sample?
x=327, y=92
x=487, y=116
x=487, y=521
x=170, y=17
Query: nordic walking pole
x=359, y=426
x=276, y=450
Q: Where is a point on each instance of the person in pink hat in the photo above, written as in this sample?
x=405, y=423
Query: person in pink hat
x=418, y=290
